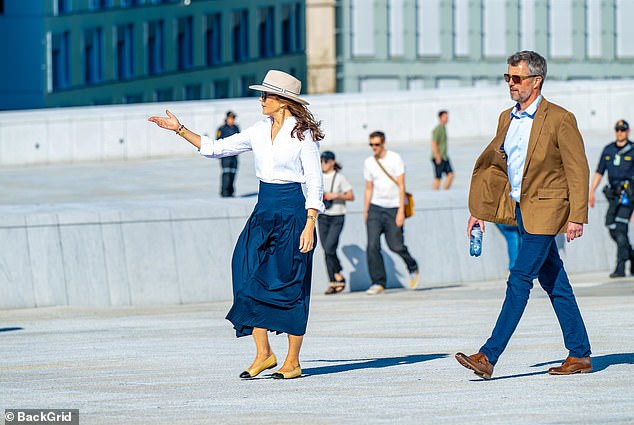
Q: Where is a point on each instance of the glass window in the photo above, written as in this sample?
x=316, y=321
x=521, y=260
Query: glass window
x=379, y=84
x=193, y=92
x=93, y=55
x=624, y=29
x=395, y=29
x=155, y=47
x=131, y=3
x=292, y=34
x=560, y=28
x=266, y=32
x=527, y=25
x=184, y=41
x=240, y=36
x=245, y=82
x=99, y=4
x=287, y=30
x=362, y=28
x=428, y=27
x=62, y=6
x=593, y=29
x=125, y=51
x=164, y=95
x=461, y=27
x=299, y=33
x=60, y=55
x=102, y=101
x=495, y=27
x=213, y=39
x=415, y=83
x=133, y=98
x=221, y=89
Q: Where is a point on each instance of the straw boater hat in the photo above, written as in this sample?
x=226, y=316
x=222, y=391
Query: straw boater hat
x=281, y=84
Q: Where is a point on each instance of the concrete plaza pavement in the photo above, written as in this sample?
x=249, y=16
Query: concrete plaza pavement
x=366, y=360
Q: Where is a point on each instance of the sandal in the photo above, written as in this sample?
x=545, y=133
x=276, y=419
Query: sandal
x=332, y=289
x=340, y=285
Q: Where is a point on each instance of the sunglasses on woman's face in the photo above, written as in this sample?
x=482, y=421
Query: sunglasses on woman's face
x=265, y=95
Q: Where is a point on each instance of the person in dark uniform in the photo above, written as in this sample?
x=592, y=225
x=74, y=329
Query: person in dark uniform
x=617, y=159
x=230, y=163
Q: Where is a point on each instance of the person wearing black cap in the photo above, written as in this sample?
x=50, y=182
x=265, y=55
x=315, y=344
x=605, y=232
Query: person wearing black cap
x=229, y=164
x=337, y=190
x=617, y=159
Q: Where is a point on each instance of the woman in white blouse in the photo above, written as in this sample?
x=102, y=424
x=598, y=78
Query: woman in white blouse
x=272, y=260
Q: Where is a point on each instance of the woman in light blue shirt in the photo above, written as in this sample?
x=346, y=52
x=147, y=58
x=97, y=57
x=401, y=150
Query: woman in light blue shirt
x=272, y=260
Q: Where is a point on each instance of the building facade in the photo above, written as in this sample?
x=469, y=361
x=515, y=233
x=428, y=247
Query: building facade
x=411, y=44
x=95, y=52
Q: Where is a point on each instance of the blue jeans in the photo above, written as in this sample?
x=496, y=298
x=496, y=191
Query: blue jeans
x=538, y=258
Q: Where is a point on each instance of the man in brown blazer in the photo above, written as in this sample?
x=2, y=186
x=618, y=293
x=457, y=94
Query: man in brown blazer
x=535, y=174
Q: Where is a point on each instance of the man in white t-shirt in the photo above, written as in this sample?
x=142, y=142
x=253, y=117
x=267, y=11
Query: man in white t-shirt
x=384, y=212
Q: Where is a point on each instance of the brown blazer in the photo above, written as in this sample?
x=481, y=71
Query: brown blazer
x=556, y=176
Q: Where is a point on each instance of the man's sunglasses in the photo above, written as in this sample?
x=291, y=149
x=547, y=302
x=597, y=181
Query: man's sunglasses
x=620, y=129
x=517, y=79
x=375, y=145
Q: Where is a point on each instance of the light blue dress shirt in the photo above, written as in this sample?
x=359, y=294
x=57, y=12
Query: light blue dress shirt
x=516, y=145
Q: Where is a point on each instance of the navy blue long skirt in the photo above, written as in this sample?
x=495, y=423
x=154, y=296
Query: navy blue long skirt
x=271, y=278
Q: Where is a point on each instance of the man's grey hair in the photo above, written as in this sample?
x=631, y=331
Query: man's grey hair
x=535, y=62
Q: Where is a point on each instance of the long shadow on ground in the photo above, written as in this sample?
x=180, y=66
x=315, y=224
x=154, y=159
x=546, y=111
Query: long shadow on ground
x=600, y=363
x=357, y=364
x=10, y=329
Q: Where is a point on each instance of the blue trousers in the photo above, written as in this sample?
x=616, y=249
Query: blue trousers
x=538, y=258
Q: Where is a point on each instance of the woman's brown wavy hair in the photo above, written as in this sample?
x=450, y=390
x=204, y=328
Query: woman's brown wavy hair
x=305, y=120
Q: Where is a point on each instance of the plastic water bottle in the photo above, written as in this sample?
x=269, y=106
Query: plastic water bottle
x=475, y=241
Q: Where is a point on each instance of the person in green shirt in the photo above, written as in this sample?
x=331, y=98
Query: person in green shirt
x=439, y=158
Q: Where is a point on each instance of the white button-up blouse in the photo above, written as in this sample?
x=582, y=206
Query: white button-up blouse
x=287, y=160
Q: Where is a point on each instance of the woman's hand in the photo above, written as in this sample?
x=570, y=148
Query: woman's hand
x=307, y=238
x=169, y=123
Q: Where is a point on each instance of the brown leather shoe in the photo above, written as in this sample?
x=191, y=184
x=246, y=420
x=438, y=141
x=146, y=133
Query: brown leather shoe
x=478, y=363
x=573, y=365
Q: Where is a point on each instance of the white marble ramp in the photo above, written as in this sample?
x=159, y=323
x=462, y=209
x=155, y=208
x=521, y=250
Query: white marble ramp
x=156, y=231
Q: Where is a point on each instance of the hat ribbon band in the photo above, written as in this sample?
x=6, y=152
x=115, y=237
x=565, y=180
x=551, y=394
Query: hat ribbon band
x=279, y=89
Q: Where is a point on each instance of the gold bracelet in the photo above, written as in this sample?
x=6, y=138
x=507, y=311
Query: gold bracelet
x=180, y=131
x=312, y=217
